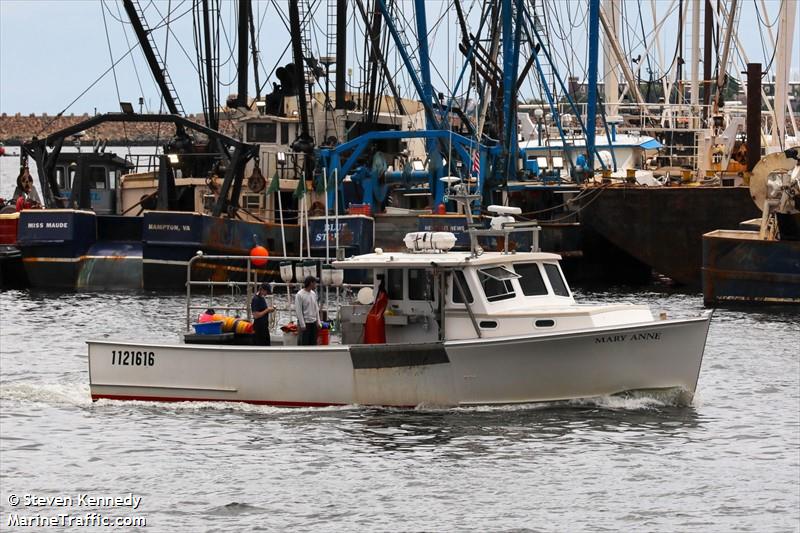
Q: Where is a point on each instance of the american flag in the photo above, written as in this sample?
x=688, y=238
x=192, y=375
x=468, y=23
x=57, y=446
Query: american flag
x=476, y=162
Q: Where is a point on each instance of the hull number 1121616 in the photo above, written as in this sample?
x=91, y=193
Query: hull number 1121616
x=130, y=358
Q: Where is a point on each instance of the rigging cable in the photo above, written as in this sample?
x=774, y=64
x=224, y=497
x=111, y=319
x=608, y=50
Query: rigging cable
x=114, y=71
x=135, y=69
x=96, y=81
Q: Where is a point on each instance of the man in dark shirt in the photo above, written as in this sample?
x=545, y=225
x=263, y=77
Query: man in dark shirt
x=261, y=313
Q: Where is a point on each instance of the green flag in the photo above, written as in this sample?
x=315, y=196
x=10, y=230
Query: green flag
x=274, y=184
x=300, y=191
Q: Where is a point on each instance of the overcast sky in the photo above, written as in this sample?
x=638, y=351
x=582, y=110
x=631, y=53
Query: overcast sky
x=52, y=51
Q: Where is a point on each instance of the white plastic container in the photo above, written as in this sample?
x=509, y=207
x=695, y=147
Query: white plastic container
x=429, y=241
x=286, y=272
x=337, y=277
x=326, y=276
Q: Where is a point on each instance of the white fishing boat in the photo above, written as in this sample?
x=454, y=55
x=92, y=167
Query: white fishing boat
x=452, y=328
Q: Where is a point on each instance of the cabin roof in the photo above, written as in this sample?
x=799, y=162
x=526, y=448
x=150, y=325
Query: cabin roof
x=622, y=140
x=94, y=158
x=444, y=259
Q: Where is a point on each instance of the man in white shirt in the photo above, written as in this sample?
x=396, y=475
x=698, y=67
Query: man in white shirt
x=307, y=310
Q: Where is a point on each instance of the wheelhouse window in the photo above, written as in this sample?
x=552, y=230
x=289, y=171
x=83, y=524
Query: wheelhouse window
x=394, y=285
x=262, y=132
x=251, y=201
x=61, y=178
x=556, y=281
x=97, y=177
x=531, y=279
x=496, y=283
x=458, y=278
x=420, y=284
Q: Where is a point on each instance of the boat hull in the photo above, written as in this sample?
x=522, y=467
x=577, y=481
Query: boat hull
x=74, y=249
x=741, y=268
x=172, y=238
x=579, y=364
x=663, y=226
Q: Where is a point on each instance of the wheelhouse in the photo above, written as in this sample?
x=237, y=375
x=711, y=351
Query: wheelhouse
x=433, y=297
x=103, y=170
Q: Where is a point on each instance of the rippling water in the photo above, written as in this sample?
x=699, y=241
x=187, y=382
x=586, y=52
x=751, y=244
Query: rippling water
x=729, y=462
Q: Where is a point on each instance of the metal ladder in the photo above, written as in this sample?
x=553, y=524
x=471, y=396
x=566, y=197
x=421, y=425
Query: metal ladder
x=161, y=63
x=330, y=46
x=304, y=10
x=305, y=37
x=538, y=15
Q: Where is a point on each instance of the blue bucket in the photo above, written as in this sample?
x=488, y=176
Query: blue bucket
x=208, y=328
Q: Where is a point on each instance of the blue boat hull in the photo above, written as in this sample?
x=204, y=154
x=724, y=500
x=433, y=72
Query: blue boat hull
x=738, y=267
x=171, y=239
x=53, y=243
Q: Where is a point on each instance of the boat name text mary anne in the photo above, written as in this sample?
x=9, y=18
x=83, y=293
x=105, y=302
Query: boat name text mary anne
x=623, y=337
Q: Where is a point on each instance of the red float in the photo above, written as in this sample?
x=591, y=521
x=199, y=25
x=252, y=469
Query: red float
x=258, y=252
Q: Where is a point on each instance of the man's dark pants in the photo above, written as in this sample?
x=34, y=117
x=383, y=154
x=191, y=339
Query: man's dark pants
x=308, y=337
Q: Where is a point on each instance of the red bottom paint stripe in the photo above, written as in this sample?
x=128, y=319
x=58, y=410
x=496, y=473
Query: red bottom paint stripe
x=96, y=397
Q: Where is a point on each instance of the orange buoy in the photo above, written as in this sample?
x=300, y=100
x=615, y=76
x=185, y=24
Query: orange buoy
x=259, y=251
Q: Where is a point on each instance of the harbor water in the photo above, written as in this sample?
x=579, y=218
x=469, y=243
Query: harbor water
x=730, y=461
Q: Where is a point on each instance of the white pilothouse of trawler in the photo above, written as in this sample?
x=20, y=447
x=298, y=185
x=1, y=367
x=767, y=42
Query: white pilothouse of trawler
x=445, y=328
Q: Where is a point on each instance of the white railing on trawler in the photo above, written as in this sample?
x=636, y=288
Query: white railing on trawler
x=237, y=300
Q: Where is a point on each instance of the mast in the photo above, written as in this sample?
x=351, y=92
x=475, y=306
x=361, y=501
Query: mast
x=303, y=143
x=708, y=44
x=695, y=81
x=753, y=125
x=211, y=113
x=487, y=87
x=726, y=47
x=783, y=61
x=622, y=62
x=341, y=54
x=244, y=17
x=424, y=57
x=612, y=13
x=255, y=53
x=591, y=105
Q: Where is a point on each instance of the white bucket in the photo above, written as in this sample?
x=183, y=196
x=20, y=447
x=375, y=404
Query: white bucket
x=286, y=272
x=337, y=277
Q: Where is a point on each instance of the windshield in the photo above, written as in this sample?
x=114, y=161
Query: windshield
x=531, y=281
x=557, y=282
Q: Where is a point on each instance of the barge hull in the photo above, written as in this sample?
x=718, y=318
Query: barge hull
x=663, y=226
x=739, y=267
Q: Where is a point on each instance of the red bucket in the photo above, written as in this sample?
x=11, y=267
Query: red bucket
x=323, y=337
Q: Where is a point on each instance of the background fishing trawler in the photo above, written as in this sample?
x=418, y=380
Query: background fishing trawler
x=367, y=144
x=108, y=238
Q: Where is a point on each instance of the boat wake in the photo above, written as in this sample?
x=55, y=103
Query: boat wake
x=78, y=395
x=54, y=394
x=631, y=401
